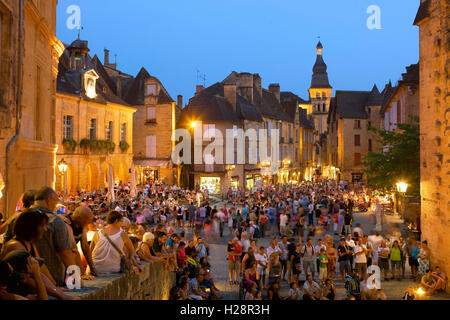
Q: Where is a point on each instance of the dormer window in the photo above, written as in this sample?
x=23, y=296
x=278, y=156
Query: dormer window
x=90, y=80
x=151, y=90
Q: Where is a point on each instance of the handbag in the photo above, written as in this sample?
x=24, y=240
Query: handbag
x=125, y=263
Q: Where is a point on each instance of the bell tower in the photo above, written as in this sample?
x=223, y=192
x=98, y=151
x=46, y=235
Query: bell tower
x=320, y=92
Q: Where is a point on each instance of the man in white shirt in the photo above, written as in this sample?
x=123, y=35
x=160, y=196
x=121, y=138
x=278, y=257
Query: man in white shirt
x=312, y=289
x=283, y=222
x=361, y=259
x=351, y=245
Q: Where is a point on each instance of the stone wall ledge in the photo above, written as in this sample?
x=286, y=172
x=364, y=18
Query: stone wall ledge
x=153, y=283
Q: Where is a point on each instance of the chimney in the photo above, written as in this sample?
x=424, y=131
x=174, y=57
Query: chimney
x=198, y=89
x=229, y=90
x=106, y=57
x=257, y=89
x=275, y=89
x=245, y=86
x=180, y=101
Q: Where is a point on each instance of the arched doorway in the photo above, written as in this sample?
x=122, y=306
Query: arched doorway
x=92, y=177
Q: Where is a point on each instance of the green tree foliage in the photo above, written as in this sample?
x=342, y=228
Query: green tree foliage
x=399, y=161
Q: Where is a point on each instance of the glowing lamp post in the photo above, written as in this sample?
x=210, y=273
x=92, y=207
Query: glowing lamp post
x=193, y=124
x=401, y=189
x=62, y=166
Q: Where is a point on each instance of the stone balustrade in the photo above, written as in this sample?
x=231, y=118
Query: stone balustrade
x=154, y=283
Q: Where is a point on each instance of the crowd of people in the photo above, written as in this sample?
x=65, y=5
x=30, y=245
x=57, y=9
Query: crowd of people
x=313, y=242
x=305, y=220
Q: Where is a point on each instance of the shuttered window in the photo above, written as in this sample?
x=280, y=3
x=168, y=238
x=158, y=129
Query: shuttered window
x=150, y=146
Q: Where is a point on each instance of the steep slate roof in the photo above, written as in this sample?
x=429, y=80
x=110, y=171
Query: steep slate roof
x=304, y=121
x=247, y=110
x=320, y=75
x=209, y=106
x=136, y=92
x=70, y=81
x=271, y=108
x=387, y=94
x=375, y=97
x=219, y=109
x=411, y=77
x=351, y=104
x=422, y=12
x=289, y=96
x=290, y=107
x=102, y=72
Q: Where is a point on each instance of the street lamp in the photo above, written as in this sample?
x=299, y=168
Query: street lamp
x=62, y=166
x=193, y=124
x=401, y=189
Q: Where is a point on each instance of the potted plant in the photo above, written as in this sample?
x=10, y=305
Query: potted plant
x=111, y=146
x=69, y=144
x=85, y=144
x=124, y=145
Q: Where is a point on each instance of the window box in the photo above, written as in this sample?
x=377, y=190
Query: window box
x=69, y=145
x=124, y=146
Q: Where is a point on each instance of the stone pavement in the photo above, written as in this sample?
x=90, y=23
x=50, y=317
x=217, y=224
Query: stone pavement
x=393, y=289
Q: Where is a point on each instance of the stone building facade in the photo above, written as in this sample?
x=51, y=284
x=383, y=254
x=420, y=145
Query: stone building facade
x=301, y=111
x=27, y=98
x=94, y=127
x=239, y=102
x=433, y=20
x=351, y=113
x=153, y=126
x=402, y=101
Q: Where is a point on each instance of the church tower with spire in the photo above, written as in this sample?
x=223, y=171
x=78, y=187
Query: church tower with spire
x=320, y=92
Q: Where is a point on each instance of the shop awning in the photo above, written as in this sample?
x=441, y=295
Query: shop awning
x=152, y=163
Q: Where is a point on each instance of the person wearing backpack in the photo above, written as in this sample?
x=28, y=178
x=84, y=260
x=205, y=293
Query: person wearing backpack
x=352, y=286
x=308, y=256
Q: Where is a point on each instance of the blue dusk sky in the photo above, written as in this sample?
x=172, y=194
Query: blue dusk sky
x=173, y=39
